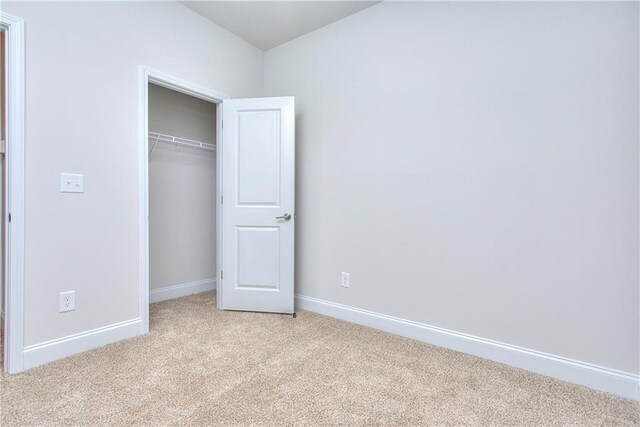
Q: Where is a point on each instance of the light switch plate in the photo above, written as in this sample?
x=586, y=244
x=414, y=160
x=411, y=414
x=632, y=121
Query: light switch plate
x=71, y=183
x=67, y=301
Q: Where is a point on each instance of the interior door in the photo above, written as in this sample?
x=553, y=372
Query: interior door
x=258, y=217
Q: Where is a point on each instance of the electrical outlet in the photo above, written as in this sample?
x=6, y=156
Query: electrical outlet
x=346, y=280
x=71, y=183
x=67, y=301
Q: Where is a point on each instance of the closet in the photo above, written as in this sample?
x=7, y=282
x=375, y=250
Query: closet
x=182, y=194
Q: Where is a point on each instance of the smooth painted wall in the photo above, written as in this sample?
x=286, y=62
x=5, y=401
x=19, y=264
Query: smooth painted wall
x=182, y=191
x=82, y=83
x=474, y=166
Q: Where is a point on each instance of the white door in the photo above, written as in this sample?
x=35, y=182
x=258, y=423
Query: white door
x=258, y=170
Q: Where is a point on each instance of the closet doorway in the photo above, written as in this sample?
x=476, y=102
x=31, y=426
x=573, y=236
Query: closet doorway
x=254, y=213
x=182, y=194
x=180, y=124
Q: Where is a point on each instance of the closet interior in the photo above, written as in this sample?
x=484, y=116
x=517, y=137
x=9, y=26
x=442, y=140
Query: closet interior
x=182, y=194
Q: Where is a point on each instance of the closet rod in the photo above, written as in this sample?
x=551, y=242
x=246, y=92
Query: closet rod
x=184, y=142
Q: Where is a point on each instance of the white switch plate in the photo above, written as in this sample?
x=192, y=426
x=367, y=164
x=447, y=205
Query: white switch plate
x=346, y=280
x=71, y=183
x=67, y=301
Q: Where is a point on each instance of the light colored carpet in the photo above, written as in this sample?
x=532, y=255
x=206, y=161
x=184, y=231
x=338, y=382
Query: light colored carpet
x=201, y=366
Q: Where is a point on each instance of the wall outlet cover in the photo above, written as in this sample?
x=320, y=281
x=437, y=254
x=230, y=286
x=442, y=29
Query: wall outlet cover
x=346, y=280
x=67, y=301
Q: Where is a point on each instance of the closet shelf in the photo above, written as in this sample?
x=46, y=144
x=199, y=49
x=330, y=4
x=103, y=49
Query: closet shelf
x=155, y=137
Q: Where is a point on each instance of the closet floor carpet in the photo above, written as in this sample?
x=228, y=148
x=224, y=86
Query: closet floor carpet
x=202, y=366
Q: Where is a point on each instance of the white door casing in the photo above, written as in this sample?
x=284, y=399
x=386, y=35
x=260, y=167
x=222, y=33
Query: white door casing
x=258, y=185
x=15, y=191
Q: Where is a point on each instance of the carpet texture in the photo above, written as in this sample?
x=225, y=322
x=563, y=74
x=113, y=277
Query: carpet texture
x=202, y=366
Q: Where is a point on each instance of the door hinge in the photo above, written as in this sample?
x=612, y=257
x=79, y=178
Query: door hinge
x=222, y=200
x=221, y=274
x=9, y=216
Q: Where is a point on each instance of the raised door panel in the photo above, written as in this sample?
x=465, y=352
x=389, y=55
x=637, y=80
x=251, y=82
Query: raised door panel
x=259, y=158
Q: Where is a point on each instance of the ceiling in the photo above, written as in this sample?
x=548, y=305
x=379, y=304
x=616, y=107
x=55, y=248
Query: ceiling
x=267, y=24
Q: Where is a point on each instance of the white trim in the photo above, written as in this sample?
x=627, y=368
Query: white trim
x=39, y=354
x=149, y=75
x=598, y=377
x=143, y=194
x=15, y=161
x=219, y=217
x=182, y=290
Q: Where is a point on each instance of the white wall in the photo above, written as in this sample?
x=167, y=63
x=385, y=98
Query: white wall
x=474, y=166
x=82, y=117
x=182, y=191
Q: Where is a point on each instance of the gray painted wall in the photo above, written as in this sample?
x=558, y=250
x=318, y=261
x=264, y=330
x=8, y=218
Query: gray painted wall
x=182, y=191
x=474, y=166
x=82, y=117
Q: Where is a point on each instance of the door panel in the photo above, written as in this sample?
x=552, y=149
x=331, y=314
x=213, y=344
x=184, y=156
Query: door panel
x=258, y=173
x=259, y=158
x=259, y=257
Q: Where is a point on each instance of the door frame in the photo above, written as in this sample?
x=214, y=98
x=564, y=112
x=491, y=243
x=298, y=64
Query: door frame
x=149, y=75
x=15, y=192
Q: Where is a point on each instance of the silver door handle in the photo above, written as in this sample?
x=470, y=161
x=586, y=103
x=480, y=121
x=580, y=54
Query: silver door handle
x=286, y=217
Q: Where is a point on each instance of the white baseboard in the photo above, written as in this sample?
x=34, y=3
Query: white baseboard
x=39, y=354
x=597, y=377
x=182, y=290
x=49, y=351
